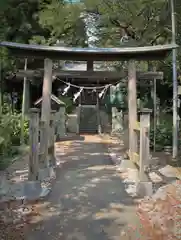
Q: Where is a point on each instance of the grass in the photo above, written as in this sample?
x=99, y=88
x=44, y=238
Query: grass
x=18, y=152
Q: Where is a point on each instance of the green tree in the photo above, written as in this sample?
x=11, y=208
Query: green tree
x=19, y=20
x=142, y=20
x=64, y=22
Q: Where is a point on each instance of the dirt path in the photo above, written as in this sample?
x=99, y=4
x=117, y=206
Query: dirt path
x=88, y=200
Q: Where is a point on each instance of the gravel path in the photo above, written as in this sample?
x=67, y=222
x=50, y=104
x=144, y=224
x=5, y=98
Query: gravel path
x=88, y=200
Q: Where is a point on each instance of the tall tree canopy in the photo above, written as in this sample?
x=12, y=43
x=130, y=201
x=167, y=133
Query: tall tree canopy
x=40, y=21
x=63, y=21
x=43, y=21
x=147, y=21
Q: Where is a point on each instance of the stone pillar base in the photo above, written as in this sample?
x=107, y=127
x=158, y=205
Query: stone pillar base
x=144, y=189
x=46, y=173
x=115, y=158
x=33, y=190
x=28, y=191
x=53, y=165
x=125, y=164
x=52, y=162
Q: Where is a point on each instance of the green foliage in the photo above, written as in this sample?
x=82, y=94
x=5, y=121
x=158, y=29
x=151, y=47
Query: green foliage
x=10, y=130
x=163, y=133
x=116, y=97
x=69, y=106
x=63, y=22
x=43, y=21
x=19, y=20
x=145, y=21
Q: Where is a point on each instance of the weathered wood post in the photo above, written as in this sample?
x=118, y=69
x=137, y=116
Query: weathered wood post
x=78, y=116
x=132, y=109
x=25, y=102
x=33, y=141
x=32, y=189
x=114, y=126
x=144, y=142
x=90, y=65
x=45, y=119
x=144, y=186
x=98, y=114
x=51, y=149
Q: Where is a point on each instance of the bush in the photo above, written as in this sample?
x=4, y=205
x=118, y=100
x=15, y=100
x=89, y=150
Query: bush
x=163, y=133
x=69, y=105
x=10, y=132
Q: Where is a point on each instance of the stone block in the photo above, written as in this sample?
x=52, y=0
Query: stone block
x=144, y=189
x=34, y=191
x=125, y=165
x=28, y=190
x=46, y=173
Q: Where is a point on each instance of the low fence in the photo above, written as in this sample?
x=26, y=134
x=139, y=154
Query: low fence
x=37, y=154
x=139, y=144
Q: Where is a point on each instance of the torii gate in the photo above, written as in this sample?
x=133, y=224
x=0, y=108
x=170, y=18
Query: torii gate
x=49, y=53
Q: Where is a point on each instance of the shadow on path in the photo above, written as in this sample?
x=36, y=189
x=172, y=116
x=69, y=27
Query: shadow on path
x=88, y=200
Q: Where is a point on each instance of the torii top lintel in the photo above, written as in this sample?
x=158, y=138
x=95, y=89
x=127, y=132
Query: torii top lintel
x=94, y=54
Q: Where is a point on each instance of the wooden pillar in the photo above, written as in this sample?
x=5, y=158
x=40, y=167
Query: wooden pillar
x=144, y=142
x=132, y=108
x=154, y=99
x=155, y=112
x=90, y=65
x=79, y=114
x=98, y=112
x=45, y=112
x=25, y=103
x=98, y=115
x=33, y=141
x=51, y=149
